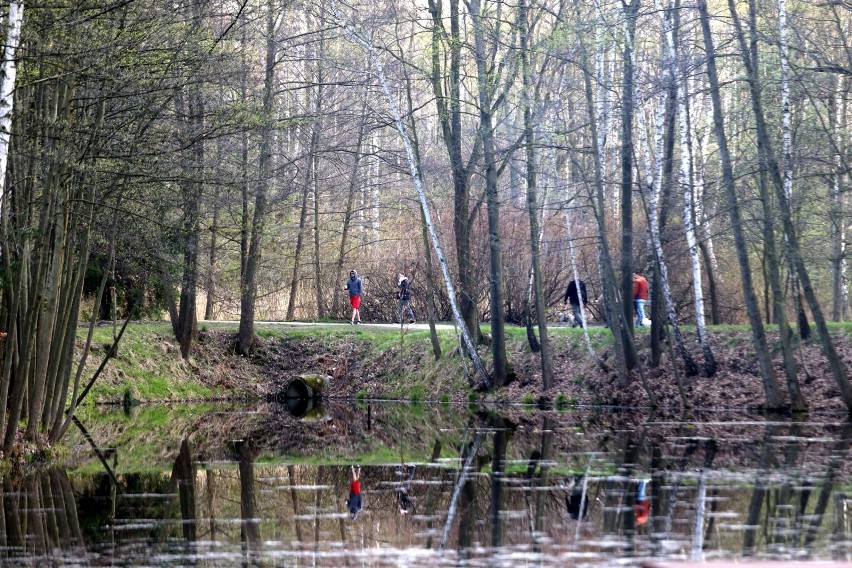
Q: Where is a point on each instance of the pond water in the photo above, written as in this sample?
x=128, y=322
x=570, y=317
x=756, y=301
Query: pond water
x=208, y=485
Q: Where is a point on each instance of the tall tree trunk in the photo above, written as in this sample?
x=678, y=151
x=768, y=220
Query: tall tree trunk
x=449, y=115
x=705, y=230
x=801, y=317
x=689, y=225
x=320, y=80
x=495, y=284
x=655, y=174
x=767, y=372
x=665, y=149
x=187, y=323
x=210, y=285
x=797, y=400
x=354, y=178
x=303, y=216
x=248, y=283
x=532, y=197
x=624, y=349
x=631, y=12
x=9, y=74
x=837, y=215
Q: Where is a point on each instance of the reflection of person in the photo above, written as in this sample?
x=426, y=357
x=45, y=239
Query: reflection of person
x=640, y=296
x=403, y=494
x=354, y=503
x=355, y=288
x=403, y=299
x=575, y=500
x=642, y=506
x=572, y=296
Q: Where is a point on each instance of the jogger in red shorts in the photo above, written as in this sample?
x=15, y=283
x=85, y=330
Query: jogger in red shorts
x=355, y=288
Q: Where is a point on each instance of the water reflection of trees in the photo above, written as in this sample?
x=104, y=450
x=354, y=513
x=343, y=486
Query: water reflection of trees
x=521, y=473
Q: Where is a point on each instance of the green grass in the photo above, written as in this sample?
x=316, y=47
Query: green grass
x=148, y=366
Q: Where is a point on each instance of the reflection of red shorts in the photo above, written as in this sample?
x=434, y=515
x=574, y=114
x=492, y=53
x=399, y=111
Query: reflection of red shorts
x=355, y=301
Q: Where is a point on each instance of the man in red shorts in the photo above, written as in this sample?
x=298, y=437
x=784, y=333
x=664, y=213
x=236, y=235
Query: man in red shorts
x=355, y=288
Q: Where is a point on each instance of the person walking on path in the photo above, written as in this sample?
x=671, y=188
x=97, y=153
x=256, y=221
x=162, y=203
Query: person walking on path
x=403, y=299
x=640, y=296
x=355, y=288
x=574, y=296
x=355, y=503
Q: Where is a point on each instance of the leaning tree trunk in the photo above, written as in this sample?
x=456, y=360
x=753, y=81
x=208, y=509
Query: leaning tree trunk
x=622, y=338
x=797, y=400
x=764, y=145
x=424, y=232
x=764, y=359
x=303, y=215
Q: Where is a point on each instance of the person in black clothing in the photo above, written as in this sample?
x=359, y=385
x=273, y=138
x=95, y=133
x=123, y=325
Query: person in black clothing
x=403, y=493
x=403, y=299
x=574, y=298
x=577, y=502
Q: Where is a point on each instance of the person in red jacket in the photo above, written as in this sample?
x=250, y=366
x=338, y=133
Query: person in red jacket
x=642, y=506
x=355, y=503
x=640, y=296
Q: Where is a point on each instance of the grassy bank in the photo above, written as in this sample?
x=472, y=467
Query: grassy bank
x=378, y=362
x=369, y=361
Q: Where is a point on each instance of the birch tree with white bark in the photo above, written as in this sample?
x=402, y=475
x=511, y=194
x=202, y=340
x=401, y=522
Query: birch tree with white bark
x=469, y=344
x=689, y=224
x=7, y=88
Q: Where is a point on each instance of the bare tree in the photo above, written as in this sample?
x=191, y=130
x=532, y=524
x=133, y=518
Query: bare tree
x=770, y=384
x=246, y=337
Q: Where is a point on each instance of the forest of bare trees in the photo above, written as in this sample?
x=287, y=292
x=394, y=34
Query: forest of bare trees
x=234, y=159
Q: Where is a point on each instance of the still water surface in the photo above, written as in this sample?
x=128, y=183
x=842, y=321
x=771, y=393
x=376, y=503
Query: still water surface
x=440, y=485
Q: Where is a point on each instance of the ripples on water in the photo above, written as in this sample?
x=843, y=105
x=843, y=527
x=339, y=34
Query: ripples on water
x=506, y=487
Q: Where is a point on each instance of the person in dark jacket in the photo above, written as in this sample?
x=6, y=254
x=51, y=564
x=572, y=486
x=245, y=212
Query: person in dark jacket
x=355, y=288
x=403, y=493
x=577, y=501
x=574, y=298
x=403, y=299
